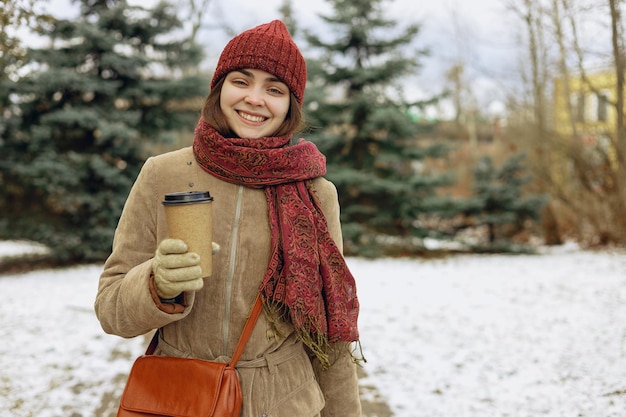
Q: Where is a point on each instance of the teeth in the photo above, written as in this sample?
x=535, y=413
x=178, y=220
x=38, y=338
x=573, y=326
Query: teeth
x=252, y=118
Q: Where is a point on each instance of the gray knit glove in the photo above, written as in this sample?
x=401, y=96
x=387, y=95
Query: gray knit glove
x=175, y=269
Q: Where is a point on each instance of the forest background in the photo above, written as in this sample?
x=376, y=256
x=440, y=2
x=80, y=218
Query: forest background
x=462, y=156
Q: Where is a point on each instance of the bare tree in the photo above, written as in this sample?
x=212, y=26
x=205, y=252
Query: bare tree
x=588, y=180
x=197, y=11
x=604, y=177
x=534, y=133
x=619, y=51
x=532, y=14
x=14, y=15
x=559, y=8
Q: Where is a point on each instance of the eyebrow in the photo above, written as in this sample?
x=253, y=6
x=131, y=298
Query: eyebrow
x=251, y=75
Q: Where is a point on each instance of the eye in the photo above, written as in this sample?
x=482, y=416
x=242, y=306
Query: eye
x=276, y=91
x=239, y=82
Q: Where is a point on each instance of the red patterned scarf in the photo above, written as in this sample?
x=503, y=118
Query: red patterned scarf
x=307, y=277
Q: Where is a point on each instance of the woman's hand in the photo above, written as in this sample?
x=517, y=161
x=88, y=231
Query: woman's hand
x=175, y=269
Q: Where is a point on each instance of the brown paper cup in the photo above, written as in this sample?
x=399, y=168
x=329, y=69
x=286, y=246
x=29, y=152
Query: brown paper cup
x=189, y=217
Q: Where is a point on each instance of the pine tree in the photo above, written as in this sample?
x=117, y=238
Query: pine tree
x=74, y=135
x=361, y=122
x=504, y=204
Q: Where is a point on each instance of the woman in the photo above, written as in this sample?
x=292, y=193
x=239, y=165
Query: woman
x=277, y=223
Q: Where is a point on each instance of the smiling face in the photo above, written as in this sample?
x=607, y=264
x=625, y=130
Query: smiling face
x=254, y=103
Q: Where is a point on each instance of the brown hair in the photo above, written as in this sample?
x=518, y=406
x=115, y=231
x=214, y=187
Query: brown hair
x=212, y=114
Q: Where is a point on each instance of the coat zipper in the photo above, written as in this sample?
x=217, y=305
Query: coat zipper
x=231, y=270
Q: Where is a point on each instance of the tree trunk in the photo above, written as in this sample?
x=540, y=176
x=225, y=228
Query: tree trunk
x=563, y=68
x=620, y=136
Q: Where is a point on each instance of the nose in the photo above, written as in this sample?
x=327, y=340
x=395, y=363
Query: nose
x=254, y=98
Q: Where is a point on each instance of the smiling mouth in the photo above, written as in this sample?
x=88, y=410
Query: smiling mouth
x=251, y=118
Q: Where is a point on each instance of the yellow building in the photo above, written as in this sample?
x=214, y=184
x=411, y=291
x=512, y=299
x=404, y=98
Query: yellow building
x=584, y=110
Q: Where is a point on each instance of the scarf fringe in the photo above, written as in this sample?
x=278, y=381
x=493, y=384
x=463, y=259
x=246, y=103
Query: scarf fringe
x=326, y=352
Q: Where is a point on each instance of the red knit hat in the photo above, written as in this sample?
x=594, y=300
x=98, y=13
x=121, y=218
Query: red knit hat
x=267, y=47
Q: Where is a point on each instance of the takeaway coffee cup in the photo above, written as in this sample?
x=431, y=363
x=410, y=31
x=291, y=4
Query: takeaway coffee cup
x=189, y=217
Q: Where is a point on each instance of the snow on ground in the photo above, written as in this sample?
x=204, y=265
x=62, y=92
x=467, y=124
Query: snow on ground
x=469, y=336
x=497, y=335
x=55, y=360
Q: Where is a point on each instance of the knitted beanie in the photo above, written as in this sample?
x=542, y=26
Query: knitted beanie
x=267, y=47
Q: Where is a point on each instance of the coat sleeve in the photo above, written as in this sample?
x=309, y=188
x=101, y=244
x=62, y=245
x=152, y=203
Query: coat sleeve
x=339, y=383
x=124, y=304
x=340, y=386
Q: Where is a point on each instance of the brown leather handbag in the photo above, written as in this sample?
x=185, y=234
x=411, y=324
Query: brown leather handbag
x=185, y=387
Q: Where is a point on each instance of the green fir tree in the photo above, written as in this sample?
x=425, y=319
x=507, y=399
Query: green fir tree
x=503, y=205
x=73, y=138
x=361, y=121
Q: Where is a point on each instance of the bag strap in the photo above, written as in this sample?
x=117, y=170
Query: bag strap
x=153, y=343
x=247, y=330
x=243, y=339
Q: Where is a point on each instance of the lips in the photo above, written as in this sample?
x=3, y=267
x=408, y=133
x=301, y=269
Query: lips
x=251, y=117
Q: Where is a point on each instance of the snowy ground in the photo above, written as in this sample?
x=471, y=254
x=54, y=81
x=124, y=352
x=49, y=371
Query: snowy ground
x=471, y=336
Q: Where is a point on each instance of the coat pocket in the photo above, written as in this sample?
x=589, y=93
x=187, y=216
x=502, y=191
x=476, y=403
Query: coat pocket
x=306, y=401
x=297, y=391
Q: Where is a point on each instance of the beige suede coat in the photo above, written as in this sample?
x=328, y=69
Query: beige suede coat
x=278, y=377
